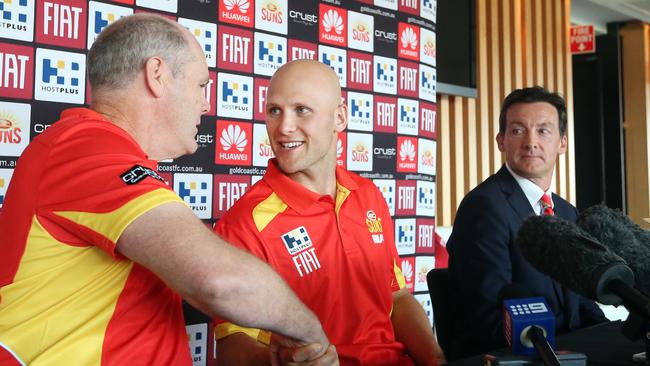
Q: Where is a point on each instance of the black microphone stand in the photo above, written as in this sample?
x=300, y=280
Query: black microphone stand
x=544, y=350
x=637, y=324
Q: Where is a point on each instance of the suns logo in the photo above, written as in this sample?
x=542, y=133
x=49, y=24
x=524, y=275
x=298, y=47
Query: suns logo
x=374, y=227
x=233, y=136
x=360, y=153
x=407, y=151
x=240, y=5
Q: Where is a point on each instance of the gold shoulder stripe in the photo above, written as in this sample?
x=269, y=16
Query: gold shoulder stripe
x=268, y=209
x=226, y=329
x=112, y=224
x=401, y=281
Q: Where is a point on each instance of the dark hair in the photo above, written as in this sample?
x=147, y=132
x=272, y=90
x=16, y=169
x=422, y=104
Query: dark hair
x=533, y=95
x=121, y=50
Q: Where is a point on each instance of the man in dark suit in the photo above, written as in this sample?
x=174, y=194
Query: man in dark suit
x=483, y=258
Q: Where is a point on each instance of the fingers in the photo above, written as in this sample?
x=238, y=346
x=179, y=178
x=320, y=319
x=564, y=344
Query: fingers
x=302, y=353
x=308, y=355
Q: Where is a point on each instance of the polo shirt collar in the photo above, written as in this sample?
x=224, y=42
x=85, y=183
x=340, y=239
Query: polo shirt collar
x=294, y=194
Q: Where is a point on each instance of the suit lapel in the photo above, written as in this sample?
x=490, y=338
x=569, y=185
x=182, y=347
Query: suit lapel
x=513, y=193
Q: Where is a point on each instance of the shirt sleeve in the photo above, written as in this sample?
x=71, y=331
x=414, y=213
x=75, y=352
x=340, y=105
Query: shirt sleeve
x=240, y=233
x=95, y=183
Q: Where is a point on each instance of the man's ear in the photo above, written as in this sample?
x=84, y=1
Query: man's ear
x=563, y=144
x=154, y=70
x=499, y=139
x=341, y=117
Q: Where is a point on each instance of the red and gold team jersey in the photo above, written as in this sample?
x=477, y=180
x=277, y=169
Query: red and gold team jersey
x=338, y=256
x=66, y=296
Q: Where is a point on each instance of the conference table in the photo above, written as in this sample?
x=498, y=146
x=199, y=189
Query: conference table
x=604, y=345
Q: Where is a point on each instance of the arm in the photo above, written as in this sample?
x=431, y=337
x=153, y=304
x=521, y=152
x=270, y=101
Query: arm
x=590, y=313
x=239, y=349
x=215, y=277
x=481, y=265
x=412, y=328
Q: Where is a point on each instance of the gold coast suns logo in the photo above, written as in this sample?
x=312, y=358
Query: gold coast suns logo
x=374, y=227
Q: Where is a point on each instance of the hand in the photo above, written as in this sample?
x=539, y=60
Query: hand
x=285, y=351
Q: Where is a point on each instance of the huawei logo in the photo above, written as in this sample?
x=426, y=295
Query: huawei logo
x=339, y=148
x=407, y=270
x=332, y=20
x=241, y=5
x=233, y=136
x=409, y=38
x=407, y=151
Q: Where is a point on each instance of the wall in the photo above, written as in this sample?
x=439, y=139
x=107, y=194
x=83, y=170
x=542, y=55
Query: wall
x=519, y=43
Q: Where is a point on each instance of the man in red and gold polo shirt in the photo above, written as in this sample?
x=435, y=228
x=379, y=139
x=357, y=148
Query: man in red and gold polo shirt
x=326, y=231
x=97, y=250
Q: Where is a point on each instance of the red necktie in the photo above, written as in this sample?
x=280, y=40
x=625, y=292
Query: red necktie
x=547, y=205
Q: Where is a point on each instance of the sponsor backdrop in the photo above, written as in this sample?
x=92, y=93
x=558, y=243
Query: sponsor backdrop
x=383, y=51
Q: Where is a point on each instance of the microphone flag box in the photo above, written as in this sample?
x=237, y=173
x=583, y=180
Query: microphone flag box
x=522, y=314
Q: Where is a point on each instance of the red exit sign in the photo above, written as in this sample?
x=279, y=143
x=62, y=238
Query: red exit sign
x=583, y=39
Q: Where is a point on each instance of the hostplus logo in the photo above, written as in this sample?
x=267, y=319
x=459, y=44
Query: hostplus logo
x=16, y=71
x=336, y=59
x=197, y=335
x=426, y=199
x=63, y=23
x=385, y=75
x=360, y=109
x=387, y=189
x=236, y=49
x=15, y=123
x=332, y=24
x=271, y=15
x=360, y=31
x=428, y=10
x=407, y=116
x=427, y=156
x=236, y=12
x=407, y=154
x=409, y=41
x=100, y=15
x=270, y=53
x=17, y=19
x=5, y=178
x=428, y=47
x=300, y=247
x=234, y=96
x=360, y=75
x=196, y=191
x=60, y=76
x=427, y=83
x=234, y=147
x=405, y=236
x=206, y=34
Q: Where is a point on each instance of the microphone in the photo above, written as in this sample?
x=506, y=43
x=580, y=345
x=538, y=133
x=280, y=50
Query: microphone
x=529, y=325
x=622, y=236
x=574, y=258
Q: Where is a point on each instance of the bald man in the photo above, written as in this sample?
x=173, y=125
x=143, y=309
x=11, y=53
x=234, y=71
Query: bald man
x=327, y=232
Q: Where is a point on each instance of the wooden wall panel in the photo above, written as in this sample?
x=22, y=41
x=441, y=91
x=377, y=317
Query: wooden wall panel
x=519, y=43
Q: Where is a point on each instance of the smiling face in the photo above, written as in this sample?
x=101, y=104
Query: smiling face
x=304, y=115
x=532, y=141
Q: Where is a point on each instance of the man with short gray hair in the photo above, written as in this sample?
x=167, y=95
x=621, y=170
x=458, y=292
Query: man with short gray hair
x=98, y=251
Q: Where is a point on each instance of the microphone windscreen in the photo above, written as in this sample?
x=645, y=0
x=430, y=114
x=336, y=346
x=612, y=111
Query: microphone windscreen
x=622, y=236
x=571, y=256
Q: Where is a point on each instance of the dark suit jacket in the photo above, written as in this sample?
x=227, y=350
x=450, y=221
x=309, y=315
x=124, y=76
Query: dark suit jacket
x=483, y=259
